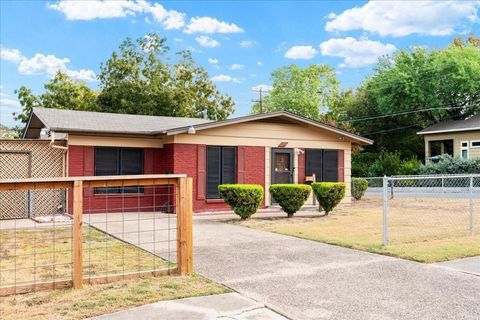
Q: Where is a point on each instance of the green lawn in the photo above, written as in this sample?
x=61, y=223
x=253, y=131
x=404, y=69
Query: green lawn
x=93, y=300
x=424, y=230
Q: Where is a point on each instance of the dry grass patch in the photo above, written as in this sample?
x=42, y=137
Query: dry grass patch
x=100, y=299
x=424, y=230
x=45, y=254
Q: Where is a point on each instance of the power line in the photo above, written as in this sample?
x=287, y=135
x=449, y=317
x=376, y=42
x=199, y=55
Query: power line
x=398, y=128
x=398, y=114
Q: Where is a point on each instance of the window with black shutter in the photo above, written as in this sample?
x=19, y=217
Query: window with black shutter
x=322, y=162
x=118, y=161
x=221, y=168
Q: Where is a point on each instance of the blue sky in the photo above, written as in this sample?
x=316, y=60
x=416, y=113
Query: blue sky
x=239, y=42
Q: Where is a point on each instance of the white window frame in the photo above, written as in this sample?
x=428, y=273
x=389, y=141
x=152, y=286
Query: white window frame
x=471, y=144
x=465, y=148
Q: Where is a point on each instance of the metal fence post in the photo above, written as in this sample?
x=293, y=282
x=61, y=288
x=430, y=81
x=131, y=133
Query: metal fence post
x=471, y=206
x=385, y=210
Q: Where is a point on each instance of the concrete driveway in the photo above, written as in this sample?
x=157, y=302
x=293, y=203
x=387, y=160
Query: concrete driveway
x=303, y=279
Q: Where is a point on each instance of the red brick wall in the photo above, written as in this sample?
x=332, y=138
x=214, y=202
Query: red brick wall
x=255, y=167
x=186, y=161
x=81, y=163
x=172, y=158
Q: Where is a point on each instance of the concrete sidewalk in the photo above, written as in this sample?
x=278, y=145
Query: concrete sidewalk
x=231, y=306
x=468, y=265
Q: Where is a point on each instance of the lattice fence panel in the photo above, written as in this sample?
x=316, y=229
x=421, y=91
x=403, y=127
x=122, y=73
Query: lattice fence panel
x=36, y=159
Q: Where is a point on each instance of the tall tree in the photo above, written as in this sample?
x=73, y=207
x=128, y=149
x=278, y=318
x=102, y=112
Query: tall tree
x=137, y=80
x=305, y=91
x=61, y=92
x=410, y=91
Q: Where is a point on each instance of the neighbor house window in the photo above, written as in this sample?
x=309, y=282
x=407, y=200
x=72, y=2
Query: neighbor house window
x=322, y=162
x=118, y=161
x=464, y=150
x=221, y=168
x=475, y=144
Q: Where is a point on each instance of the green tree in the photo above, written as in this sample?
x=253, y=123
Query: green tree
x=410, y=91
x=61, y=92
x=306, y=91
x=138, y=80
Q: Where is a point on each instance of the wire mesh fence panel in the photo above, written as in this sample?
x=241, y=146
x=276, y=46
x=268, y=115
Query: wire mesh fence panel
x=35, y=253
x=129, y=230
x=103, y=231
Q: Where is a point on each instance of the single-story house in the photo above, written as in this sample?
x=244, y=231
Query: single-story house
x=275, y=147
x=458, y=138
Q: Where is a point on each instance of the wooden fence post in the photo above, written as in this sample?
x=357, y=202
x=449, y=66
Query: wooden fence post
x=77, y=234
x=184, y=226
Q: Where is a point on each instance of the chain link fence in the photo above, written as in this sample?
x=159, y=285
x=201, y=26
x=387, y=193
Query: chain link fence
x=423, y=208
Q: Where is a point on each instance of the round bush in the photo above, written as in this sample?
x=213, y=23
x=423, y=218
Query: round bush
x=290, y=197
x=329, y=194
x=244, y=199
x=359, y=186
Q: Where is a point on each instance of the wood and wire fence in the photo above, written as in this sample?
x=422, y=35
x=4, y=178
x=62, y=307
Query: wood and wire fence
x=112, y=228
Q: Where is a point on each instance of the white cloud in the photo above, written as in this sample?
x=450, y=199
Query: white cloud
x=170, y=19
x=356, y=53
x=212, y=61
x=40, y=64
x=12, y=55
x=103, y=9
x=225, y=78
x=44, y=64
x=236, y=66
x=210, y=25
x=259, y=63
x=82, y=74
x=178, y=40
x=207, y=42
x=263, y=87
x=97, y=9
x=301, y=52
x=402, y=18
x=247, y=43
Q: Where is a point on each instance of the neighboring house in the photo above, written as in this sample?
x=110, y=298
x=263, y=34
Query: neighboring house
x=458, y=138
x=276, y=147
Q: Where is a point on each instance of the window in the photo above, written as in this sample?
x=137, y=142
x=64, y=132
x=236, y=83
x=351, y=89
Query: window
x=221, y=168
x=464, y=150
x=118, y=161
x=475, y=144
x=324, y=163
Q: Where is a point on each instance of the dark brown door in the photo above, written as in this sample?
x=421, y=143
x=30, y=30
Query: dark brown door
x=282, y=166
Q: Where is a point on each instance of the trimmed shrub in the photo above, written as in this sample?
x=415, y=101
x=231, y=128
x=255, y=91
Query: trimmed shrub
x=244, y=199
x=449, y=165
x=290, y=197
x=329, y=194
x=359, y=186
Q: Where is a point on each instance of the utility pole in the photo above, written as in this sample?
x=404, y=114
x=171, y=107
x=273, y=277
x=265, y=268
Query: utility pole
x=260, y=100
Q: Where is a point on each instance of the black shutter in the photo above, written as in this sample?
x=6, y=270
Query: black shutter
x=229, y=156
x=313, y=163
x=213, y=171
x=330, y=165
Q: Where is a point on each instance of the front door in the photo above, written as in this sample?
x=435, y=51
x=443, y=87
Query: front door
x=282, y=165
